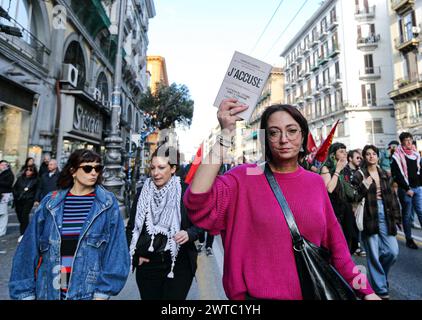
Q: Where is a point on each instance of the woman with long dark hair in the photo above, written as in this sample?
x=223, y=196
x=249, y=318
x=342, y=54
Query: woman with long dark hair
x=380, y=219
x=259, y=260
x=75, y=246
x=160, y=235
x=341, y=192
x=24, y=191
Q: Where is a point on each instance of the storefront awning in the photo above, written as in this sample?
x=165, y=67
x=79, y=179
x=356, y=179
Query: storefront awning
x=14, y=94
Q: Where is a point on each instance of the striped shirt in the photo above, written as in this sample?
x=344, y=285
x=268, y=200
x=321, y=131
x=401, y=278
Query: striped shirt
x=76, y=210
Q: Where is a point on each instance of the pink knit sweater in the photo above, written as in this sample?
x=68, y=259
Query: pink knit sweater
x=258, y=253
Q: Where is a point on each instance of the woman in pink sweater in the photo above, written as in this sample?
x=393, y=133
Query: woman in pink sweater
x=258, y=254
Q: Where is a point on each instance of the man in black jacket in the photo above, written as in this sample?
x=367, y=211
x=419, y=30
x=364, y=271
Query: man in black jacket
x=48, y=181
x=406, y=171
x=6, y=183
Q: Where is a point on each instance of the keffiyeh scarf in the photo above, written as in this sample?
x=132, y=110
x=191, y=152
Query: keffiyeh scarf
x=159, y=210
x=400, y=157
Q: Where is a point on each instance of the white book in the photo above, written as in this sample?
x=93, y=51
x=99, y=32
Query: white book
x=244, y=80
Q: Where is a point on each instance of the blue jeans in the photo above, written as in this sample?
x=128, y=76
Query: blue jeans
x=382, y=250
x=410, y=205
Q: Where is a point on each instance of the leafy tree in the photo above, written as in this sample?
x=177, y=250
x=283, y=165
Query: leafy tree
x=168, y=105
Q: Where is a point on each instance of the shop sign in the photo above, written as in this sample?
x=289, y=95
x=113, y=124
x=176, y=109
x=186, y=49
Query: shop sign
x=87, y=121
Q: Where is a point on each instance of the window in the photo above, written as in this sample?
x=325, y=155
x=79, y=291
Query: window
x=414, y=111
x=334, y=41
x=338, y=95
x=406, y=24
x=369, y=95
x=308, y=64
x=324, y=24
x=326, y=76
x=411, y=59
x=374, y=126
x=340, y=129
x=337, y=69
x=333, y=15
x=318, y=107
x=327, y=102
x=75, y=56
x=314, y=34
x=315, y=58
x=369, y=63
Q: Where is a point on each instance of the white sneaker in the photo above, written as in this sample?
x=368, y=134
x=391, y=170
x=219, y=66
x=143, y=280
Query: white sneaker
x=20, y=239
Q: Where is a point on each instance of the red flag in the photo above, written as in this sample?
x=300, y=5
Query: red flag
x=312, y=148
x=322, y=152
x=195, y=165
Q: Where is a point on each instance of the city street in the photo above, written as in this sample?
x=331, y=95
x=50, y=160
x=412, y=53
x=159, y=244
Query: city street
x=405, y=276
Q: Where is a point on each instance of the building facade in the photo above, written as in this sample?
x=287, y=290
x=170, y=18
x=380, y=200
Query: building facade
x=406, y=25
x=56, y=79
x=338, y=67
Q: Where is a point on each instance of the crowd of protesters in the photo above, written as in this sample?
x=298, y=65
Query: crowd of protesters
x=86, y=232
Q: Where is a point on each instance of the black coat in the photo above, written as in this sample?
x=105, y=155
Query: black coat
x=6, y=181
x=19, y=192
x=46, y=185
x=43, y=169
x=194, y=232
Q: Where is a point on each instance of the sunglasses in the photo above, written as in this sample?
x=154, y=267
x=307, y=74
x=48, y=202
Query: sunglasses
x=88, y=168
x=29, y=169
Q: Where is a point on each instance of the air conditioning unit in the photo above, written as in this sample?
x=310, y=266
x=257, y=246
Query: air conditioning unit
x=98, y=94
x=416, y=30
x=69, y=74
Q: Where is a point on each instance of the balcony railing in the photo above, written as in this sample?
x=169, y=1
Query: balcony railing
x=370, y=73
x=401, y=5
x=365, y=13
x=28, y=44
x=407, y=42
x=410, y=85
x=336, y=80
x=332, y=25
x=369, y=42
x=334, y=51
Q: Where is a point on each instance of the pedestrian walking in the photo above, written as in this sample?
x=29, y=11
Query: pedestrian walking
x=24, y=191
x=6, y=182
x=380, y=219
x=205, y=242
x=160, y=235
x=259, y=259
x=405, y=168
x=44, y=165
x=48, y=181
x=29, y=162
x=75, y=246
x=354, y=159
x=341, y=193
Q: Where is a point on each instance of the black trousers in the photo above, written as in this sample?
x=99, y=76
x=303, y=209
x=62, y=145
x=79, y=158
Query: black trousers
x=153, y=283
x=23, y=209
x=210, y=239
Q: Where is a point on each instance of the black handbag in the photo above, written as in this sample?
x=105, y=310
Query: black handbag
x=319, y=280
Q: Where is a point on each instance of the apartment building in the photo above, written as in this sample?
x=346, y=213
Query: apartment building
x=406, y=25
x=338, y=67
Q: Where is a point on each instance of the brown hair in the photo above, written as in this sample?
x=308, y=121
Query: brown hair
x=296, y=115
x=169, y=152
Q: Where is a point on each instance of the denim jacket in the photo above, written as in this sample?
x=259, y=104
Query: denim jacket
x=101, y=263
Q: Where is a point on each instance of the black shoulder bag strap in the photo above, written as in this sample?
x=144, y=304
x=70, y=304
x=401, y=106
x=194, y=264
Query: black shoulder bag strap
x=288, y=215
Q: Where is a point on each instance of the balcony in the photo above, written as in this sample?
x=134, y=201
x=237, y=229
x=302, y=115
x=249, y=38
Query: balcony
x=323, y=60
x=370, y=73
x=401, y=5
x=336, y=80
x=323, y=34
x=334, y=51
x=92, y=15
x=306, y=49
x=27, y=47
x=408, y=42
x=368, y=43
x=363, y=14
x=314, y=67
x=333, y=25
x=315, y=40
x=317, y=90
x=407, y=87
x=326, y=85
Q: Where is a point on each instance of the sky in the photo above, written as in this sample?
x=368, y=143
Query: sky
x=197, y=38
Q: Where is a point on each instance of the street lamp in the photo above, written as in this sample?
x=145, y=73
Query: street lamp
x=114, y=176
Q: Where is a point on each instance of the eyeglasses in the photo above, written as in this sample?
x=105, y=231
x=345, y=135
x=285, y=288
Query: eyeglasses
x=88, y=168
x=274, y=134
